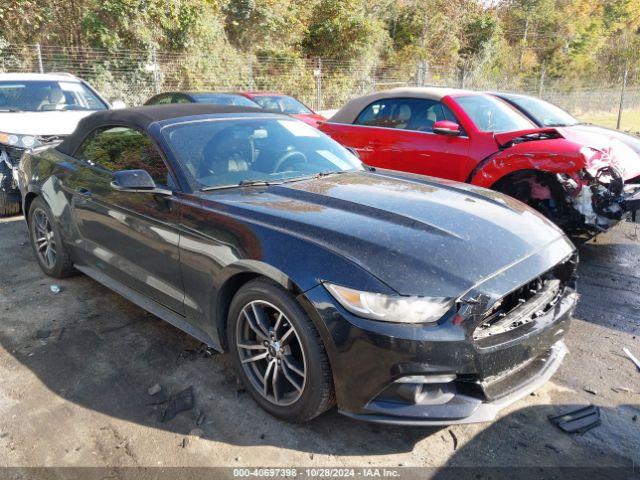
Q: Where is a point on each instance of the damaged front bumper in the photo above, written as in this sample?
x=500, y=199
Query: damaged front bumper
x=461, y=408
x=603, y=199
x=9, y=163
x=490, y=352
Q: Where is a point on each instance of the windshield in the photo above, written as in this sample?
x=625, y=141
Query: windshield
x=544, y=113
x=492, y=115
x=222, y=152
x=44, y=96
x=281, y=103
x=224, y=99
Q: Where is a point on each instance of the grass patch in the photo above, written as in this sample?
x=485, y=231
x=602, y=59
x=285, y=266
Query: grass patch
x=630, y=120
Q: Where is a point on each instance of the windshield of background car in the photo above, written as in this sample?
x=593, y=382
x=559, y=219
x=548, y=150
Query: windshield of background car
x=492, y=115
x=282, y=104
x=224, y=99
x=225, y=152
x=45, y=96
x=545, y=113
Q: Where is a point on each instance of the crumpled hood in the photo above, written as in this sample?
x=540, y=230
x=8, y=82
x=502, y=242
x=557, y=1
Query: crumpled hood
x=417, y=235
x=618, y=147
x=41, y=123
x=503, y=138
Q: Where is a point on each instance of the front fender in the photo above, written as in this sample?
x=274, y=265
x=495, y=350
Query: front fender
x=297, y=264
x=556, y=156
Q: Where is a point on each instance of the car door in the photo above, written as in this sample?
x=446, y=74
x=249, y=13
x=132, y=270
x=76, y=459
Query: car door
x=401, y=137
x=131, y=237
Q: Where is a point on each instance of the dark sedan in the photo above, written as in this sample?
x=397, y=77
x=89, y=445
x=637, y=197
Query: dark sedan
x=545, y=114
x=400, y=298
x=213, y=98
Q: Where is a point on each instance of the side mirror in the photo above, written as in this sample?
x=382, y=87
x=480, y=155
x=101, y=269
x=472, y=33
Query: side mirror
x=136, y=181
x=117, y=104
x=445, y=127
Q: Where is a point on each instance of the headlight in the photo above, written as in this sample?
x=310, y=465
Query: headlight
x=28, y=141
x=16, y=140
x=389, y=308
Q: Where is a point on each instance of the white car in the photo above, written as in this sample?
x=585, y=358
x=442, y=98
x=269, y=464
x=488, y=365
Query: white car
x=37, y=109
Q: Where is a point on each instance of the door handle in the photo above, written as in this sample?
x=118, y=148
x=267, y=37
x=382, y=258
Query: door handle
x=83, y=192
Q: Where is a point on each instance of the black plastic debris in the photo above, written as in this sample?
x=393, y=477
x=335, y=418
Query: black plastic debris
x=177, y=403
x=577, y=421
x=192, y=354
x=455, y=440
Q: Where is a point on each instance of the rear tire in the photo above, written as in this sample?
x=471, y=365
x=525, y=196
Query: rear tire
x=299, y=384
x=46, y=241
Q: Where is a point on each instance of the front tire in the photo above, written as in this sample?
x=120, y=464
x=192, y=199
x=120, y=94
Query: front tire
x=278, y=353
x=46, y=241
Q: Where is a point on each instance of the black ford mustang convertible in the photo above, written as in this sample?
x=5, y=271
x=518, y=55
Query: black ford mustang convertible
x=400, y=298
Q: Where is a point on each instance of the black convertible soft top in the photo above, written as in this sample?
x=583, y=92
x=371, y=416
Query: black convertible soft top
x=142, y=117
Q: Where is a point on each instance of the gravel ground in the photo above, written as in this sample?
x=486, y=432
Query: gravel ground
x=75, y=368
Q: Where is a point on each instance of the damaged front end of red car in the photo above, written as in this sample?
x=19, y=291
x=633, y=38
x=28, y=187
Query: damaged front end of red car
x=599, y=193
x=584, y=190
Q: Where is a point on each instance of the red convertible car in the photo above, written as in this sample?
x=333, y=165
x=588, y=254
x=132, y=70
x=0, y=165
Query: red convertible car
x=480, y=139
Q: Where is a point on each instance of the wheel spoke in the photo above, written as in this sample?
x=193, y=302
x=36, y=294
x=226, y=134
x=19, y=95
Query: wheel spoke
x=267, y=374
x=274, y=384
x=41, y=244
x=289, y=377
x=278, y=322
x=261, y=321
x=259, y=333
x=293, y=365
x=287, y=335
x=252, y=347
x=255, y=358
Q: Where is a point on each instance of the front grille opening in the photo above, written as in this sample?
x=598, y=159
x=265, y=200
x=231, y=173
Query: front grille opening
x=527, y=303
x=13, y=154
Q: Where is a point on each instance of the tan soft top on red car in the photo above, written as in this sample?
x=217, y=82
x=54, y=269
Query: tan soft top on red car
x=350, y=111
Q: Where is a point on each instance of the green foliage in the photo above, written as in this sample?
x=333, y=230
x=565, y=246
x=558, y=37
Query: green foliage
x=343, y=31
x=205, y=41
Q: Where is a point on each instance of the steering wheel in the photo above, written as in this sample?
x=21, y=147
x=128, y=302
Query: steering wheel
x=288, y=156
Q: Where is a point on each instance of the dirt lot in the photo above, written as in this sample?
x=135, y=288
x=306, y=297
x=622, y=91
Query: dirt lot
x=75, y=368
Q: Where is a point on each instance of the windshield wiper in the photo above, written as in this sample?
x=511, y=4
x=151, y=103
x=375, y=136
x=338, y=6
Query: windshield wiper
x=556, y=124
x=326, y=174
x=10, y=109
x=253, y=183
x=266, y=183
x=242, y=183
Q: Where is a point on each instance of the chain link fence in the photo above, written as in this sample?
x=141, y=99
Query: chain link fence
x=135, y=75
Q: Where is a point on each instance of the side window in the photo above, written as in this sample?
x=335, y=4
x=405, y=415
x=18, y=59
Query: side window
x=162, y=100
x=181, y=99
x=123, y=148
x=439, y=111
x=403, y=113
x=448, y=114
